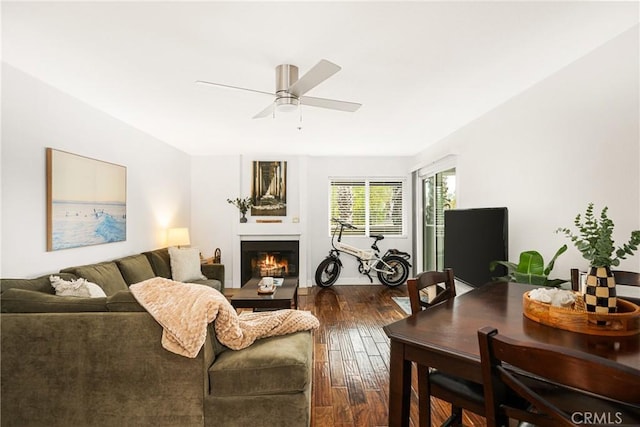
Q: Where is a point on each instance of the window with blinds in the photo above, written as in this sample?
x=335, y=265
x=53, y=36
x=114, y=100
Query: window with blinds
x=374, y=206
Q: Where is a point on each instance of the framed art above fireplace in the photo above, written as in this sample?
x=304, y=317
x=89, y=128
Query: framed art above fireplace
x=269, y=188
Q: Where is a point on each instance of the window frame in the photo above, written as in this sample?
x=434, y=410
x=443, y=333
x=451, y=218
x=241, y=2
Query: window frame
x=367, y=181
x=420, y=172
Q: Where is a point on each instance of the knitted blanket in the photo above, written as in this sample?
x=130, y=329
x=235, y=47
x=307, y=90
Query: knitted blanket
x=185, y=309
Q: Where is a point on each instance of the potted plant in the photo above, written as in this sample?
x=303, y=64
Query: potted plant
x=530, y=269
x=243, y=206
x=594, y=240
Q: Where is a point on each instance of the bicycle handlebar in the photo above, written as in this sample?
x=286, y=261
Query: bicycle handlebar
x=344, y=224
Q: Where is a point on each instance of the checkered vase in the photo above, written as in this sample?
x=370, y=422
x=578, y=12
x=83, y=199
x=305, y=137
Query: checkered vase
x=600, y=296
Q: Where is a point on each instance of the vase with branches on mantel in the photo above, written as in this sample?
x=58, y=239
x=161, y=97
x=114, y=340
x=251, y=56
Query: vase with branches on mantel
x=243, y=205
x=594, y=240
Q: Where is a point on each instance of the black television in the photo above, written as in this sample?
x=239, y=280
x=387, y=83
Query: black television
x=472, y=239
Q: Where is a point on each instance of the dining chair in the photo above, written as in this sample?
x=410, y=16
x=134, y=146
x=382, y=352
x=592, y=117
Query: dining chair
x=561, y=387
x=457, y=391
x=628, y=278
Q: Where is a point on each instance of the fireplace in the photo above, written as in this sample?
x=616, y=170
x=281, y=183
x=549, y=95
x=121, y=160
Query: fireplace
x=276, y=258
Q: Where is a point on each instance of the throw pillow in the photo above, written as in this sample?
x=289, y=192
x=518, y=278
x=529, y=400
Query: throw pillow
x=135, y=268
x=76, y=288
x=185, y=264
x=95, y=291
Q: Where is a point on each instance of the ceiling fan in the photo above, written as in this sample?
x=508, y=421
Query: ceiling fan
x=290, y=89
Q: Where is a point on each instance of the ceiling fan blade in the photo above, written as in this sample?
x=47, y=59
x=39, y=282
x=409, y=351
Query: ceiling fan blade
x=319, y=73
x=202, y=82
x=266, y=112
x=330, y=103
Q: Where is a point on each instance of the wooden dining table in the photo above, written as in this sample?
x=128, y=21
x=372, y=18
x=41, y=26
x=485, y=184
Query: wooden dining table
x=445, y=337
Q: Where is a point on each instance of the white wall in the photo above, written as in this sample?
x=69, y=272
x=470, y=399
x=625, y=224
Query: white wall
x=214, y=179
x=36, y=116
x=567, y=141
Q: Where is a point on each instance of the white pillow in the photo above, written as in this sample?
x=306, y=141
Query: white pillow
x=95, y=291
x=185, y=264
x=76, y=288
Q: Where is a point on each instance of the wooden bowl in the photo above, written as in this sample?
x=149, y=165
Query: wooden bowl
x=576, y=319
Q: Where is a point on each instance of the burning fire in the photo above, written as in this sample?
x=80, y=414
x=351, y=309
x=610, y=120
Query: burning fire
x=270, y=265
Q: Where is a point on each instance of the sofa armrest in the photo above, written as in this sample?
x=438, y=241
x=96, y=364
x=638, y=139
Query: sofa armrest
x=214, y=271
x=110, y=369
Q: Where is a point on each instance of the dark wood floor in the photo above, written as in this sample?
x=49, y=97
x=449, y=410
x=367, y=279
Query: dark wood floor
x=351, y=373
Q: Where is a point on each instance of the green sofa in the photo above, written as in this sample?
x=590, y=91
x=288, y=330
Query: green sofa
x=99, y=361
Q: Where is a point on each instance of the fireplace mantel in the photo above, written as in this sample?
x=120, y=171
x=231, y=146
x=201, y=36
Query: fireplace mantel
x=269, y=229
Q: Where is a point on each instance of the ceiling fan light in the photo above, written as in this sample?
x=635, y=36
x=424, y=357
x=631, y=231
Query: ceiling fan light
x=287, y=104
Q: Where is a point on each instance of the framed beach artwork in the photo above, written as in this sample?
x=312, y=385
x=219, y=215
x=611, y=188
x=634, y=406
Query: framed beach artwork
x=86, y=201
x=269, y=189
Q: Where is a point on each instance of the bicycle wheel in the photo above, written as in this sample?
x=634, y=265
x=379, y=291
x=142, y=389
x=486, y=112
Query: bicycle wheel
x=327, y=272
x=398, y=271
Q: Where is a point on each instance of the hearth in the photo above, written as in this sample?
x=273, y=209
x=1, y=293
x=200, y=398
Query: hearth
x=276, y=258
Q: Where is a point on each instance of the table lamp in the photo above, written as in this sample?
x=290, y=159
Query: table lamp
x=178, y=237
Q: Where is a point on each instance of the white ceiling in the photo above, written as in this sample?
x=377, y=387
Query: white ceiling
x=420, y=69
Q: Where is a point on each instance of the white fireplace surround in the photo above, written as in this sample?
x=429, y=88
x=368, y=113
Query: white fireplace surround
x=267, y=231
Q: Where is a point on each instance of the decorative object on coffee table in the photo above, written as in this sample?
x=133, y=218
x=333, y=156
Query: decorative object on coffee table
x=266, y=286
x=243, y=206
x=266, y=290
x=595, y=242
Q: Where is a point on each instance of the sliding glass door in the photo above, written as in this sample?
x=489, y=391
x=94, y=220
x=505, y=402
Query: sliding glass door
x=439, y=194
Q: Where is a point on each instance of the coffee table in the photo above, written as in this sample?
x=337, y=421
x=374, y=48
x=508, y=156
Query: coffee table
x=285, y=295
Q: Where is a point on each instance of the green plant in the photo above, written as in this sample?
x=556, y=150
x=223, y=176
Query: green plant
x=594, y=240
x=530, y=269
x=242, y=204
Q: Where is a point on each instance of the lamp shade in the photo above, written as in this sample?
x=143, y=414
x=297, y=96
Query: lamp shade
x=178, y=237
